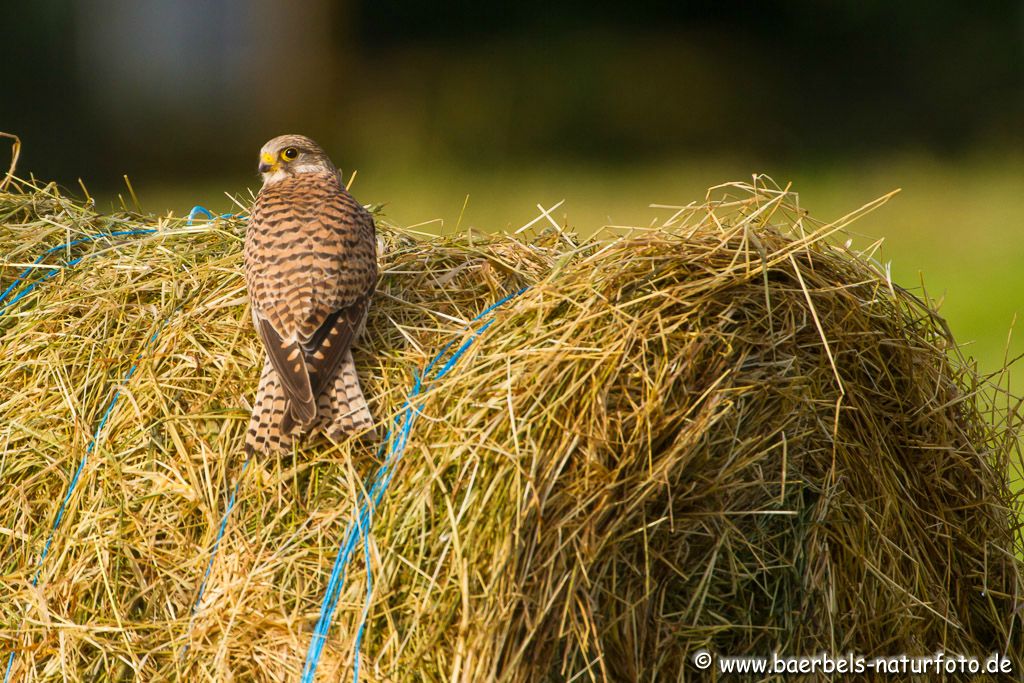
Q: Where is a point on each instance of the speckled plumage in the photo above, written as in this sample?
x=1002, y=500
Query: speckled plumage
x=310, y=268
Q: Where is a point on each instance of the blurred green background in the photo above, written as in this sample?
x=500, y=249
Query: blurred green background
x=610, y=106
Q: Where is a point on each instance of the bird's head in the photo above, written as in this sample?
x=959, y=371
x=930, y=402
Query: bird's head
x=288, y=155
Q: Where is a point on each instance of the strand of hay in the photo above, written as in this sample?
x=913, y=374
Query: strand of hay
x=726, y=432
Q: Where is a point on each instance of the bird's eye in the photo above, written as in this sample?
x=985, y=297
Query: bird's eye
x=289, y=154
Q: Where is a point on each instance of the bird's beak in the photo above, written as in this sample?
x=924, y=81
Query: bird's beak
x=267, y=163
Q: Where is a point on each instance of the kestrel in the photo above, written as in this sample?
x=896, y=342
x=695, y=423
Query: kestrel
x=311, y=269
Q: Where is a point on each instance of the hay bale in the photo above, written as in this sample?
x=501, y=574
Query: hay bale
x=724, y=433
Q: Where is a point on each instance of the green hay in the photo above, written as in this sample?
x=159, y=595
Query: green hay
x=724, y=432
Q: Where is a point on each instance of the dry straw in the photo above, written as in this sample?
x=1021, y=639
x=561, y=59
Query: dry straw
x=725, y=432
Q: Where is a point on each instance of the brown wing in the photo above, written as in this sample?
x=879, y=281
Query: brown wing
x=289, y=362
x=325, y=351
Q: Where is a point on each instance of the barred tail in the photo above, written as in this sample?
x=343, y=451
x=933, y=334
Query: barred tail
x=269, y=429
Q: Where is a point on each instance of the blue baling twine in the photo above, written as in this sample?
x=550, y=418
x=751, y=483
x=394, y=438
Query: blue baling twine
x=192, y=215
x=360, y=530
x=203, y=211
x=77, y=475
x=73, y=262
x=198, y=210
x=213, y=551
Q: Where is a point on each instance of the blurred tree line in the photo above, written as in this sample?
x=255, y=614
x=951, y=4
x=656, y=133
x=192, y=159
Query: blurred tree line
x=97, y=88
